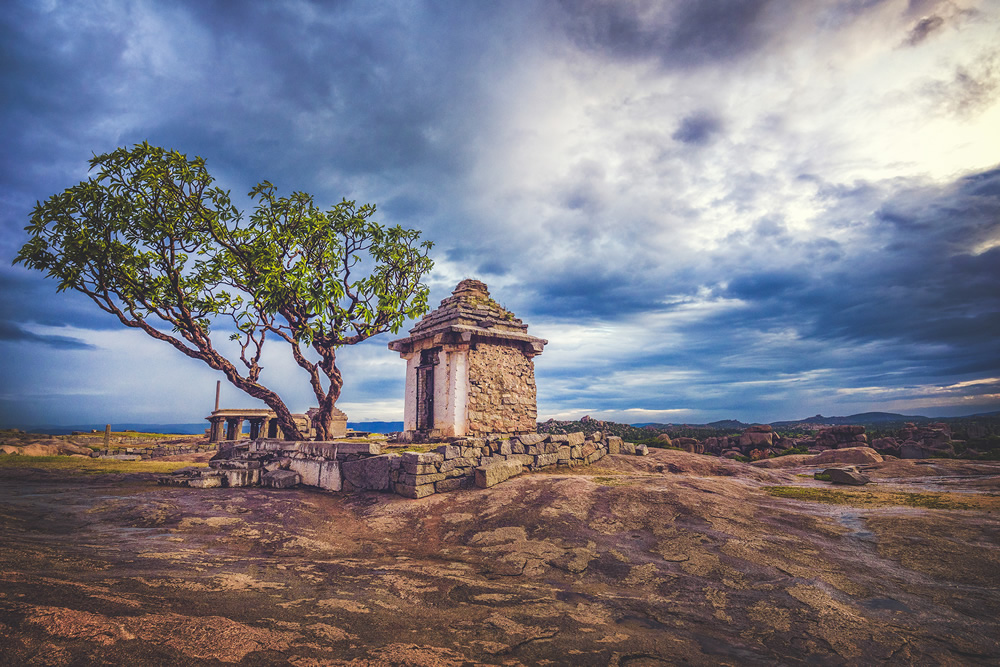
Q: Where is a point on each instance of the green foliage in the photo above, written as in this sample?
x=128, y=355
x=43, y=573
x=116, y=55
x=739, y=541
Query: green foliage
x=151, y=240
x=800, y=449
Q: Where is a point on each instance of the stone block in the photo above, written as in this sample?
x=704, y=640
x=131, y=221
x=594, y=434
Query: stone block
x=414, y=491
x=237, y=478
x=280, y=479
x=449, y=451
x=205, y=482
x=320, y=450
x=551, y=447
x=370, y=474
x=419, y=480
x=320, y=473
x=577, y=438
x=596, y=436
x=531, y=438
x=563, y=454
x=614, y=444
x=516, y=446
x=628, y=448
x=587, y=449
x=363, y=448
x=421, y=457
x=576, y=452
x=452, y=484
x=470, y=452
x=487, y=476
x=505, y=448
x=561, y=438
x=641, y=450
x=421, y=468
x=543, y=460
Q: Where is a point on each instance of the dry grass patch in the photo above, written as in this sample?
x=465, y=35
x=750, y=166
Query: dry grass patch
x=866, y=498
x=88, y=466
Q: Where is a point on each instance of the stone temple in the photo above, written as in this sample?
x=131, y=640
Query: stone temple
x=469, y=370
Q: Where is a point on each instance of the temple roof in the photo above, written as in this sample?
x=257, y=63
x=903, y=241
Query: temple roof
x=470, y=311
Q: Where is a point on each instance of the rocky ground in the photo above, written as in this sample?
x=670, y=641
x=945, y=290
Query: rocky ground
x=665, y=559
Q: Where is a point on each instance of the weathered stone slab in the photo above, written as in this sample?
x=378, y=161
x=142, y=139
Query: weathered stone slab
x=414, y=491
x=505, y=448
x=577, y=438
x=364, y=448
x=320, y=473
x=422, y=457
x=452, y=484
x=575, y=452
x=561, y=438
x=419, y=480
x=449, y=451
x=531, y=438
x=370, y=474
x=543, y=460
x=628, y=448
x=490, y=475
x=280, y=479
x=420, y=468
x=641, y=450
x=614, y=444
x=563, y=453
x=516, y=446
x=587, y=449
x=458, y=463
x=205, y=482
x=237, y=478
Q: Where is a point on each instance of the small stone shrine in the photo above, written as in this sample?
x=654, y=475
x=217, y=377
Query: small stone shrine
x=227, y=424
x=469, y=370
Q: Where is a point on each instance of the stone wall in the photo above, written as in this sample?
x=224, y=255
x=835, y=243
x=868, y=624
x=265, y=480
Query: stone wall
x=469, y=462
x=342, y=466
x=501, y=391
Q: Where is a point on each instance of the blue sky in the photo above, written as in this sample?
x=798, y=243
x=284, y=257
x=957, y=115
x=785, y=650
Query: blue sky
x=761, y=210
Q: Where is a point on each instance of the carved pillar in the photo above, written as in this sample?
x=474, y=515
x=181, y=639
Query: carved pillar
x=255, y=425
x=215, y=434
x=234, y=427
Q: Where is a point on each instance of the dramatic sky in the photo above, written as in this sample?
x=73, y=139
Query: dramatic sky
x=751, y=209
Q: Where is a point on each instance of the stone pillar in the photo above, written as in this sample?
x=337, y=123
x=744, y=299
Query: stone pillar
x=255, y=425
x=234, y=426
x=215, y=434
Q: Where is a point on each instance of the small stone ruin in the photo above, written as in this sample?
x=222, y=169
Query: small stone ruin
x=227, y=424
x=470, y=384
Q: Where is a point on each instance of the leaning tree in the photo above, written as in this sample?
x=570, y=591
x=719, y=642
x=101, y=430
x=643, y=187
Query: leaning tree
x=153, y=242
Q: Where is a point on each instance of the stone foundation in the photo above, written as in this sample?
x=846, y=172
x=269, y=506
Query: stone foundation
x=359, y=466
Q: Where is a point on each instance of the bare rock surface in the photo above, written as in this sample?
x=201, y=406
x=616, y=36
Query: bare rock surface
x=664, y=559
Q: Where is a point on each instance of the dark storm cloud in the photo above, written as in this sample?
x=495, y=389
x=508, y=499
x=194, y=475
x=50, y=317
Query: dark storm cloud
x=921, y=285
x=677, y=34
x=923, y=29
x=697, y=129
x=10, y=331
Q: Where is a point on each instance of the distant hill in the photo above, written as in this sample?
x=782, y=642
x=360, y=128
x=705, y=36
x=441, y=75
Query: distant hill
x=734, y=424
x=861, y=418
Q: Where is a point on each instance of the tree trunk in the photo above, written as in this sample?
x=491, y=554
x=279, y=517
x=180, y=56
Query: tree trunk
x=323, y=419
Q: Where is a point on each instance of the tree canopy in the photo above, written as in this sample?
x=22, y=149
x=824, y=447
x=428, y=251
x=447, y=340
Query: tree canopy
x=152, y=241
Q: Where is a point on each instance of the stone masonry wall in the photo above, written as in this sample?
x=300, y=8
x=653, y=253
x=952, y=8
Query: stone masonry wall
x=501, y=391
x=341, y=466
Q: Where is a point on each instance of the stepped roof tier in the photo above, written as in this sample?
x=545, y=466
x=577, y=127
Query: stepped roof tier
x=470, y=313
